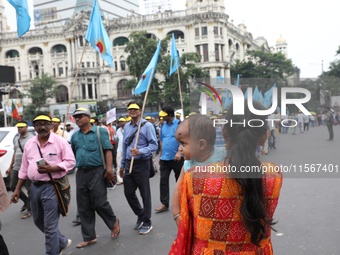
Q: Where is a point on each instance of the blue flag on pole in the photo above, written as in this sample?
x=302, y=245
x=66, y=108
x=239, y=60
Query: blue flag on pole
x=97, y=36
x=148, y=73
x=23, y=18
x=174, y=62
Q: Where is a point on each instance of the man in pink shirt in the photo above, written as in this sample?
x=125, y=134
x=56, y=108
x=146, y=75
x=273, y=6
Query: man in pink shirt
x=59, y=159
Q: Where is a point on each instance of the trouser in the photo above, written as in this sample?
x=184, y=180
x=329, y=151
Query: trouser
x=138, y=178
x=13, y=183
x=45, y=212
x=165, y=169
x=330, y=131
x=3, y=246
x=271, y=141
x=119, y=160
x=92, y=198
x=114, y=156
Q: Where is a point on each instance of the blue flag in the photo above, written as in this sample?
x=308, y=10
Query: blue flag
x=148, y=73
x=97, y=36
x=23, y=18
x=174, y=62
x=268, y=97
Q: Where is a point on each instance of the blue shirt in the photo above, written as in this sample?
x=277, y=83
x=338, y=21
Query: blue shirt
x=86, y=147
x=147, y=141
x=168, y=139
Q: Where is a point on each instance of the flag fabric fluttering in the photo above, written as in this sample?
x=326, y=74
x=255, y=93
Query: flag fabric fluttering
x=23, y=17
x=174, y=62
x=268, y=96
x=97, y=36
x=15, y=113
x=148, y=73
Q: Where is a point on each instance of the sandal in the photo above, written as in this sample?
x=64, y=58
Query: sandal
x=116, y=230
x=26, y=215
x=86, y=243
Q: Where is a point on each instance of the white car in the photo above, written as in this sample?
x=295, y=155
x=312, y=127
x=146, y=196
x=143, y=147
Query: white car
x=7, y=135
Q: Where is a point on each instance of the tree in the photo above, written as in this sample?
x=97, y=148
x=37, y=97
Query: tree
x=264, y=68
x=165, y=90
x=40, y=89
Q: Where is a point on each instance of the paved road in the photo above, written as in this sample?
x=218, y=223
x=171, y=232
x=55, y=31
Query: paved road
x=307, y=214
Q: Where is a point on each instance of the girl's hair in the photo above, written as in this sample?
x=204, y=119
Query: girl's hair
x=243, y=141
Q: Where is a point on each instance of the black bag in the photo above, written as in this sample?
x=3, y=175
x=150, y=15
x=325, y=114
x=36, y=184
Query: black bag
x=152, y=169
x=62, y=190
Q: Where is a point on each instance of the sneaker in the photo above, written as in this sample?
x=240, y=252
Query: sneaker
x=145, y=229
x=138, y=225
x=69, y=242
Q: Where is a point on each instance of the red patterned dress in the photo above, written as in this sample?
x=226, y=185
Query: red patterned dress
x=210, y=221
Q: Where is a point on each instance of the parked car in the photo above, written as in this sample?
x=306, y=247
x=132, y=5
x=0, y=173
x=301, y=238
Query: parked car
x=7, y=135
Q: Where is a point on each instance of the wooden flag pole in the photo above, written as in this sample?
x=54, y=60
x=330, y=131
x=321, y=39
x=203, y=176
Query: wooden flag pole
x=72, y=89
x=141, y=117
x=180, y=92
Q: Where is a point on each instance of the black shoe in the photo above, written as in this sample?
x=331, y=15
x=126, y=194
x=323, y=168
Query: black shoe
x=138, y=225
x=76, y=221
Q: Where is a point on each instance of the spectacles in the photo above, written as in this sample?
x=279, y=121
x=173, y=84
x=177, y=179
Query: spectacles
x=133, y=109
x=78, y=116
x=42, y=125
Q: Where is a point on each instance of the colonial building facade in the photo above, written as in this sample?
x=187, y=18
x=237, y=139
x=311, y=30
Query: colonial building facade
x=203, y=27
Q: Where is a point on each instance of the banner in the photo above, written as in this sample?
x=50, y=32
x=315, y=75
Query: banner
x=111, y=116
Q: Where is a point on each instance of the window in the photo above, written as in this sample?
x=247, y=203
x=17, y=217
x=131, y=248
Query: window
x=215, y=30
x=198, y=50
x=221, y=31
x=83, y=91
x=62, y=94
x=122, y=65
x=218, y=73
x=116, y=68
x=122, y=92
x=60, y=71
x=237, y=47
x=217, y=52
x=81, y=42
x=205, y=53
x=197, y=31
x=88, y=64
x=54, y=74
x=204, y=30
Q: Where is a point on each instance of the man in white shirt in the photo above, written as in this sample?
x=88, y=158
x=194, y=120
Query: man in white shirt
x=119, y=136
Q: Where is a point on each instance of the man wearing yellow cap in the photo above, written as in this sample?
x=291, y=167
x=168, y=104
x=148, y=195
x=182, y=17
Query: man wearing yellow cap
x=139, y=177
x=94, y=171
x=13, y=170
x=170, y=157
x=56, y=130
x=56, y=159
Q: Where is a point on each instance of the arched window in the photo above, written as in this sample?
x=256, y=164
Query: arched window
x=237, y=47
x=120, y=41
x=59, y=48
x=177, y=34
x=122, y=91
x=12, y=54
x=122, y=63
x=151, y=36
x=62, y=94
x=35, y=50
x=230, y=43
x=14, y=94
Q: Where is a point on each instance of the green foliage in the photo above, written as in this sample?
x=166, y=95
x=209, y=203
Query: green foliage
x=265, y=66
x=165, y=89
x=40, y=89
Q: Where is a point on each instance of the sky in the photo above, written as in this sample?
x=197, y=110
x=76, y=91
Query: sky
x=311, y=28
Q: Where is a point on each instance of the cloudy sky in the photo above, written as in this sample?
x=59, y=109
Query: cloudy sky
x=311, y=28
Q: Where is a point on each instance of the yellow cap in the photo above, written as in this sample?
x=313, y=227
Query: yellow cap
x=192, y=113
x=122, y=119
x=21, y=124
x=162, y=114
x=133, y=106
x=128, y=118
x=178, y=114
x=148, y=118
x=55, y=119
x=225, y=111
x=92, y=120
x=187, y=116
x=213, y=117
x=160, y=118
x=42, y=117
